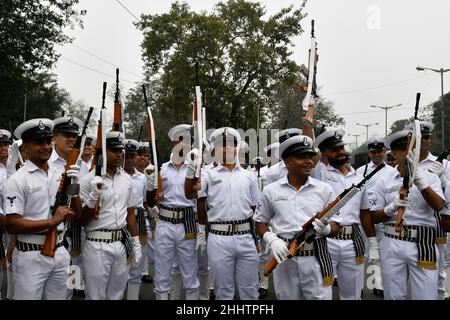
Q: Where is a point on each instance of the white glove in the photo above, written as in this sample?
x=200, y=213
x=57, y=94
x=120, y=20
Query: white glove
x=438, y=168
x=279, y=249
x=374, y=250
x=191, y=161
x=149, y=173
x=153, y=213
x=392, y=208
x=137, y=250
x=73, y=173
x=419, y=181
x=95, y=186
x=321, y=228
x=13, y=156
x=200, y=245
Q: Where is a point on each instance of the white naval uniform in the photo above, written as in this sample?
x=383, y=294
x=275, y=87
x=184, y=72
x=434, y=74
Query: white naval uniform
x=286, y=210
x=170, y=243
x=274, y=173
x=350, y=275
x=85, y=167
x=31, y=192
x=3, y=235
x=424, y=165
x=139, y=193
x=399, y=257
x=370, y=187
x=105, y=264
x=233, y=258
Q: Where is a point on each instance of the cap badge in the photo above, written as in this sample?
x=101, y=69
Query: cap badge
x=337, y=135
x=288, y=135
x=305, y=141
x=225, y=131
x=70, y=122
x=41, y=125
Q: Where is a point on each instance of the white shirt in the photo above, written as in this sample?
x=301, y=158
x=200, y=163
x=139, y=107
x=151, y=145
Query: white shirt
x=139, y=189
x=286, y=209
x=231, y=194
x=349, y=214
x=30, y=192
x=56, y=162
x=85, y=167
x=173, y=186
x=275, y=173
x=428, y=161
x=419, y=212
x=116, y=197
x=371, y=183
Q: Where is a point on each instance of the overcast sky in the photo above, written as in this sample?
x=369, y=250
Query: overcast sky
x=368, y=52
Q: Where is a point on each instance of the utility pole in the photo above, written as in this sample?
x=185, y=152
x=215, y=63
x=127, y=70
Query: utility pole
x=385, y=117
x=441, y=71
x=367, y=127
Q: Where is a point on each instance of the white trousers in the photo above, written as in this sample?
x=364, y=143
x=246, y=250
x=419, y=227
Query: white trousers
x=264, y=256
x=105, y=270
x=170, y=242
x=38, y=277
x=77, y=261
x=350, y=276
x=234, y=263
x=399, y=265
x=300, y=278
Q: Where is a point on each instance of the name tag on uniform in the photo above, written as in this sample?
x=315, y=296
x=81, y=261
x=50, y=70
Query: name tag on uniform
x=33, y=190
x=163, y=178
x=393, y=189
x=281, y=198
x=214, y=182
x=331, y=179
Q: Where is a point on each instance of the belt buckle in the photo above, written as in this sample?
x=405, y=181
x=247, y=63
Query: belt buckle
x=232, y=228
x=409, y=232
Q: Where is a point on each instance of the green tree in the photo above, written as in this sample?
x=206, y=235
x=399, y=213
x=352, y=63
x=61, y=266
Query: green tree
x=399, y=125
x=242, y=56
x=30, y=31
x=437, y=121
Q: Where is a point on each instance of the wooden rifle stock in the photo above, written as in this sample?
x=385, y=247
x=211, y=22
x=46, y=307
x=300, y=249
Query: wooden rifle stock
x=117, y=123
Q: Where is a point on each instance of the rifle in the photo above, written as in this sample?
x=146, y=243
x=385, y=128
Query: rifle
x=414, y=138
x=117, y=123
x=66, y=190
x=311, y=87
x=152, y=143
x=307, y=234
x=198, y=122
x=99, y=160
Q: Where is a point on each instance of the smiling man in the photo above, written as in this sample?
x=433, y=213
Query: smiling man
x=286, y=205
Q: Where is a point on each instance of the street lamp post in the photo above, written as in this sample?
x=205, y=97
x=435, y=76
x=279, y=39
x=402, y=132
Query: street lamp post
x=385, y=117
x=441, y=71
x=356, y=136
x=367, y=127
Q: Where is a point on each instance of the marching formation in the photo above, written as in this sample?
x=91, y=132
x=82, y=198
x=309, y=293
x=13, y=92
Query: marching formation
x=100, y=214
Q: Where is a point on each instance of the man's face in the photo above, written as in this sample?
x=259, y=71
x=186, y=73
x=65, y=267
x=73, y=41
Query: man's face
x=425, y=143
x=336, y=156
x=65, y=141
x=391, y=161
x=39, y=150
x=88, y=150
x=377, y=156
x=226, y=152
x=142, y=160
x=300, y=166
x=130, y=161
x=114, y=157
x=4, y=147
x=399, y=154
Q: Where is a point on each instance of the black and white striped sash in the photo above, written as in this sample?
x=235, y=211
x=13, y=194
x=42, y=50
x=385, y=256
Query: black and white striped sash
x=441, y=235
x=426, y=240
x=358, y=242
x=141, y=226
x=189, y=220
x=126, y=240
x=74, y=234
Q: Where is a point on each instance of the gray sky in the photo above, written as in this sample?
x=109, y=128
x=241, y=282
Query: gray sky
x=368, y=52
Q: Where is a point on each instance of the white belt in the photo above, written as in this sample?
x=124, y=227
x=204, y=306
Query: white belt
x=101, y=235
x=230, y=227
x=346, y=230
x=406, y=233
x=171, y=214
x=37, y=238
